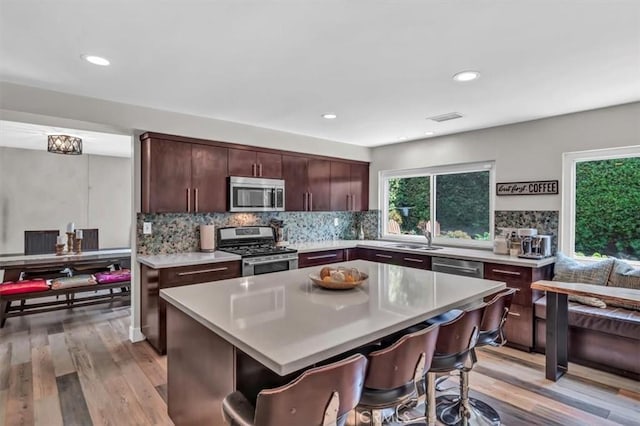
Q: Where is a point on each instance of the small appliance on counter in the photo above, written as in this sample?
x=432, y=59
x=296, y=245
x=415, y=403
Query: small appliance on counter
x=526, y=236
x=540, y=247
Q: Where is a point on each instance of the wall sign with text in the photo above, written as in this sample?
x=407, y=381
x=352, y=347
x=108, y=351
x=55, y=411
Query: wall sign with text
x=539, y=187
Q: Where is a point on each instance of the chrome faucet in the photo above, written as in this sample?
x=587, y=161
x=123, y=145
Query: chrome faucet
x=427, y=235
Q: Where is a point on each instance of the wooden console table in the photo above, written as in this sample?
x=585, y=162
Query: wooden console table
x=556, y=352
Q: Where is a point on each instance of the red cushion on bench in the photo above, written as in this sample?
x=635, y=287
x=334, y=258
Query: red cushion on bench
x=19, y=287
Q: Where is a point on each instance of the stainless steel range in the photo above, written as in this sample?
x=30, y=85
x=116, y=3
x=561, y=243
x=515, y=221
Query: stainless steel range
x=257, y=246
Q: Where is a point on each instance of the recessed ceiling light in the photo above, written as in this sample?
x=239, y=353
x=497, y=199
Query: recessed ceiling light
x=329, y=116
x=466, y=76
x=96, y=60
x=402, y=138
x=429, y=133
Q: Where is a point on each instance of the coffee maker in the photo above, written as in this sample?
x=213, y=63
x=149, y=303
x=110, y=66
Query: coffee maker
x=541, y=246
x=278, y=228
x=526, y=236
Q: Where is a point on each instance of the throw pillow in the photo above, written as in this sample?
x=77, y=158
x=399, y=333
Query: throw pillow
x=625, y=276
x=571, y=271
x=70, y=282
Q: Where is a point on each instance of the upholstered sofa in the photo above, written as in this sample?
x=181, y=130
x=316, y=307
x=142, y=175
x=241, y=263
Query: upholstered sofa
x=606, y=338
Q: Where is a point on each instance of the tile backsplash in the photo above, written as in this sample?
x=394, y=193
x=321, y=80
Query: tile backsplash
x=180, y=232
x=545, y=221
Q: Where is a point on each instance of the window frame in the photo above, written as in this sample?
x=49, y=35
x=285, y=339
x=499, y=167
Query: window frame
x=567, y=234
x=434, y=171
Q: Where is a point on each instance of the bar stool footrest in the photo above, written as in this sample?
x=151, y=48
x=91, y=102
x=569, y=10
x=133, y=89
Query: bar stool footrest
x=448, y=411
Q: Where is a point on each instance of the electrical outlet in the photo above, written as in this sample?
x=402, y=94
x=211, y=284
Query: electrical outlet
x=146, y=228
x=336, y=222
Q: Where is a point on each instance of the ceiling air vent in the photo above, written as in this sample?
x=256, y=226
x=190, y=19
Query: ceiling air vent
x=445, y=117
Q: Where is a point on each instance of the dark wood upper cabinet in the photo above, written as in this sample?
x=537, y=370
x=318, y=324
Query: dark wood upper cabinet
x=359, y=187
x=319, y=175
x=166, y=176
x=182, y=177
x=186, y=175
x=296, y=182
x=340, y=186
x=269, y=165
x=209, y=178
x=254, y=164
x=349, y=186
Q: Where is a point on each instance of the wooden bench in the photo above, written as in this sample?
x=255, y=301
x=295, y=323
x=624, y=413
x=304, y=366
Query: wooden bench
x=68, y=302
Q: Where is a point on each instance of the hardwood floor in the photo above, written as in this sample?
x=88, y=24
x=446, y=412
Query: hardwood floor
x=79, y=368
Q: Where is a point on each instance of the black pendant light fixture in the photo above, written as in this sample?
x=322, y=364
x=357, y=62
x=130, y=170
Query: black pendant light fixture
x=63, y=144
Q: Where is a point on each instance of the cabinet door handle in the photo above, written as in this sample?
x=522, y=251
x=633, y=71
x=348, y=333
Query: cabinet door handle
x=518, y=290
x=502, y=271
x=202, y=271
x=188, y=200
x=515, y=314
x=260, y=169
x=304, y=201
x=195, y=201
x=411, y=259
x=324, y=256
x=311, y=201
x=461, y=268
x=384, y=256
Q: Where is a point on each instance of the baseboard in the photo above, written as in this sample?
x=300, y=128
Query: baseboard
x=135, y=335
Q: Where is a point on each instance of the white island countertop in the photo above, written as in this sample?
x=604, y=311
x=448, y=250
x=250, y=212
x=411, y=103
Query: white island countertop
x=287, y=323
x=159, y=261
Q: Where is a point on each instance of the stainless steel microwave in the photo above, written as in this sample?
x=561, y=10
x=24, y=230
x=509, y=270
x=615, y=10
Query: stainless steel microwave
x=255, y=194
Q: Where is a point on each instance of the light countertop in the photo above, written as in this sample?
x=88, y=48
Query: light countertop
x=197, y=258
x=450, y=252
x=287, y=323
x=159, y=261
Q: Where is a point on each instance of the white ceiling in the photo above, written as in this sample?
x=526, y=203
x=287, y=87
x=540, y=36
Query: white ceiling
x=33, y=136
x=383, y=66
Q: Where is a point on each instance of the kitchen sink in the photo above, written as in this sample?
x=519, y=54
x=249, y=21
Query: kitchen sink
x=414, y=246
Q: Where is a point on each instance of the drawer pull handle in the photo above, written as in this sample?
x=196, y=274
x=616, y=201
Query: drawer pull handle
x=202, y=271
x=411, y=259
x=324, y=256
x=461, y=268
x=502, y=271
x=384, y=256
x=515, y=314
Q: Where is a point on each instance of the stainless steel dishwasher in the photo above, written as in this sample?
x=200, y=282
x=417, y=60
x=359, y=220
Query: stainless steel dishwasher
x=467, y=268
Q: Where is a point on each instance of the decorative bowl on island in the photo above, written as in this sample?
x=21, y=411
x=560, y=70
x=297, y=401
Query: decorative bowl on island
x=339, y=278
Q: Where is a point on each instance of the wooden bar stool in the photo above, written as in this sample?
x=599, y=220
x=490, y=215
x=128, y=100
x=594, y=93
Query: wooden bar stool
x=455, y=340
x=320, y=396
x=395, y=374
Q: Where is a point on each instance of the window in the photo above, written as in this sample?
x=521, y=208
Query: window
x=601, y=203
x=453, y=202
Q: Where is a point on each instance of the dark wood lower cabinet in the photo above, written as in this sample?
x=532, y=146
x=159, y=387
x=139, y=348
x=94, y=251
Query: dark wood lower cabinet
x=519, y=326
x=153, y=319
x=410, y=260
x=320, y=258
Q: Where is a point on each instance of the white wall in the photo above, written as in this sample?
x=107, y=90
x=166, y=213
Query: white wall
x=129, y=118
x=40, y=190
x=522, y=152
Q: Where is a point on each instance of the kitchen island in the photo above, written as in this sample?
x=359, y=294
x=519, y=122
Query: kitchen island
x=260, y=331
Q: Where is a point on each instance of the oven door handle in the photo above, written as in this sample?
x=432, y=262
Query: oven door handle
x=264, y=262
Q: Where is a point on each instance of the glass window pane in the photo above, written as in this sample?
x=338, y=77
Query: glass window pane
x=462, y=205
x=607, y=221
x=408, y=204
